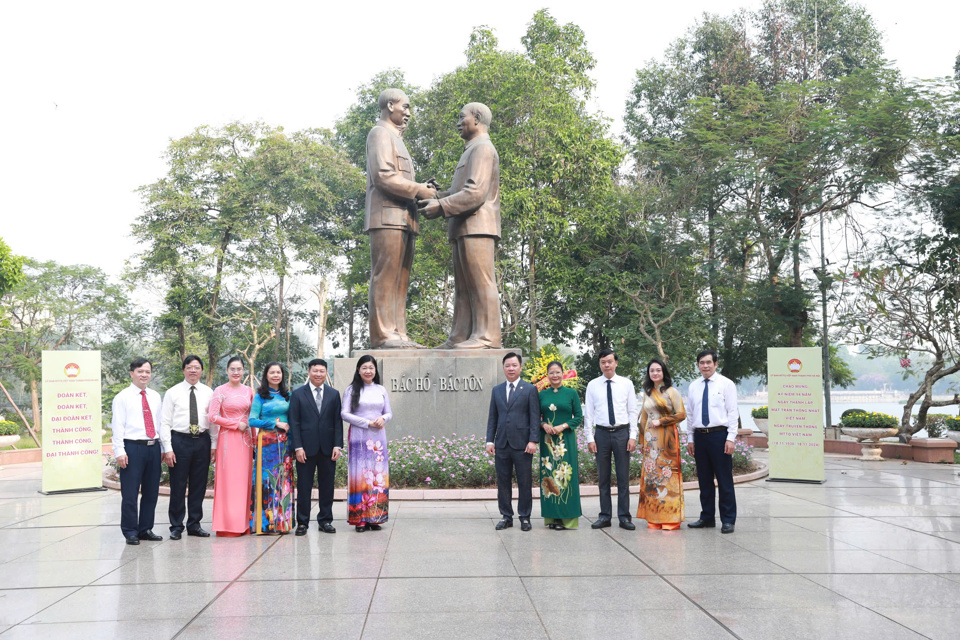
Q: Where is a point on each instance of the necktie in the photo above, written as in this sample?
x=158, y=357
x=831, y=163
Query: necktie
x=194, y=414
x=319, y=392
x=611, y=417
x=147, y=416
x=705, y=406
x=509, y=391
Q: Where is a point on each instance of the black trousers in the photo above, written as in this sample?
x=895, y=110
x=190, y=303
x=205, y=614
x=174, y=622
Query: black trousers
x=324, y=468
x=712, y=463
x=507, y=460
x=191, y=470
x=141, y=476
x=613, y=442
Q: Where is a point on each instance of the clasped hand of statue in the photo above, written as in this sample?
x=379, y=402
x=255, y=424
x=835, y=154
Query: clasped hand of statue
x=427, y=201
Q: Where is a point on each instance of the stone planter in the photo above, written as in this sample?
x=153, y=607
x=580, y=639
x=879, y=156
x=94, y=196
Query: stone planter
x=954, y=435
x=763, y=424
x=6, y=441
x=869, y=440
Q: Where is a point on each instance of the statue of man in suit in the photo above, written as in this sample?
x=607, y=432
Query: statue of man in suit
x=472, y=206
x=391, y=222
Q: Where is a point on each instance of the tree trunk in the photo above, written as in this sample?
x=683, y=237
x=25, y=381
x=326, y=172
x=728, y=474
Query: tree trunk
x=35, y=404
x=26, y=423
x=532, y=292
x=279, y=325
x=350, y=312
x=212, y=351
x=321, y=294
x=712, y=274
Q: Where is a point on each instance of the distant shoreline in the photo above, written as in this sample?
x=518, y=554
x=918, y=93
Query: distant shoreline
x=850, y=396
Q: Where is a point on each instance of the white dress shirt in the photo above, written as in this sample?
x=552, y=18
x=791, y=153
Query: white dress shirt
x=723, y=410
x=626, y=409
x=127, y=423
x=175, y=415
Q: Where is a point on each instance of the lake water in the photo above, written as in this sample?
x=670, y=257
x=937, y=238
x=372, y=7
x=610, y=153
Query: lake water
x=894, y=409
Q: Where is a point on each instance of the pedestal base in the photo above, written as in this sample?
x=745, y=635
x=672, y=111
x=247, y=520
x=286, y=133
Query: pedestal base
x=870, y=452
x=433, y=393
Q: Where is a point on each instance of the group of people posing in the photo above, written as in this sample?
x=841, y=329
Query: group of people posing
x=523, y=422
x=255, y=437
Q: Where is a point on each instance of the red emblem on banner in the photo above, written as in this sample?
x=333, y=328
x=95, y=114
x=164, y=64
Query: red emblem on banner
x=72, y=370
x=794, y=366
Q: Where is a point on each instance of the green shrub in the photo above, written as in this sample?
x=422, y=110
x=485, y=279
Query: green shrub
x=936, y=424
x=760, y=412
x=8, y=428
x=849, y=411
x=869, y=421
x=952, y=424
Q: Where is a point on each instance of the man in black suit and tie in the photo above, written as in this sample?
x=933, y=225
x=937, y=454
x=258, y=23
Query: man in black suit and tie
x=513, y=431
x=316, y=435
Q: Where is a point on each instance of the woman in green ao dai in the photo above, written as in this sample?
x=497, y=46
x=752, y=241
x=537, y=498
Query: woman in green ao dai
x=560, y=414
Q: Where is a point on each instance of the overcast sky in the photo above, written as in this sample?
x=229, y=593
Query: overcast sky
x=93, y=91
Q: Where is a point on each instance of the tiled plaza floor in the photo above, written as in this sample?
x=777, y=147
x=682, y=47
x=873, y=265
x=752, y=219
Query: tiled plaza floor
x=872, y=554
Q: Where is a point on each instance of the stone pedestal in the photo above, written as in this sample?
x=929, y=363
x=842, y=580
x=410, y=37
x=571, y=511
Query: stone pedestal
x=433, y=393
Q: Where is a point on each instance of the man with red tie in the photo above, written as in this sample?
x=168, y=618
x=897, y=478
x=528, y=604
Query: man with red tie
x=136, y=446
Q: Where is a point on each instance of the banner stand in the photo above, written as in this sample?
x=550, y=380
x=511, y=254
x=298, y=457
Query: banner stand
x=795, y=409
x=62, y=491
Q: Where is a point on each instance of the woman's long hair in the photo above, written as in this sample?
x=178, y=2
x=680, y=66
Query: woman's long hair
x=264, y=389
x=667, y=378
x=357, y=384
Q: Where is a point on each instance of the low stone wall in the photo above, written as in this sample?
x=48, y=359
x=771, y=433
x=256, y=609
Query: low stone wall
x=937, y=450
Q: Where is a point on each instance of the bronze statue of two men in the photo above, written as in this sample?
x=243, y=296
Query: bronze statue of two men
x=394, y=204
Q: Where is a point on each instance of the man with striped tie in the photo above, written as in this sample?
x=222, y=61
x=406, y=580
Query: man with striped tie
x=136, y=446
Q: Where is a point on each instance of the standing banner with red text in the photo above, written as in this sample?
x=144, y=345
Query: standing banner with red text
x=795, y=405
x=72, y=451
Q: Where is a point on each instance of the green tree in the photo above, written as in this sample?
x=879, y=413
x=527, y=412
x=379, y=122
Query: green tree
x=11, y=268
x=57, y=307
x=757, y=124
x=556, y=158
x=237, y=199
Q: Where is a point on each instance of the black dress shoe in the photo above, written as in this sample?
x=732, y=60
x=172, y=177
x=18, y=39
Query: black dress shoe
x=132, y=540
x=701, y=524
x=525, y=524
x=150, y=535
x=198, y=533
x=600, y=524
x=506, y=523
x=326, y=527
x=361, y=528
x=626, y=524
x=374, y=527
x=554, y=526
x=301, y=530
x=175, y=535
x=726, y=527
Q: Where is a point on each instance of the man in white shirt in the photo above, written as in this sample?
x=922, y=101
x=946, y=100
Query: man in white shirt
x=136, y=447
x=610, y=425
x=712, y=422
x=188, y=444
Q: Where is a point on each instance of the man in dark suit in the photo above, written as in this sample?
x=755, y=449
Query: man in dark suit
x=316, y=435
x=513, y=431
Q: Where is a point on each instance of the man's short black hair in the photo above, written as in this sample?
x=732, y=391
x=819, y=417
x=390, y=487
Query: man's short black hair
x=708, y=352
x=512, y=354
x=606, y=352
x=315, y=362
x=139, y=362
x=189, y=359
